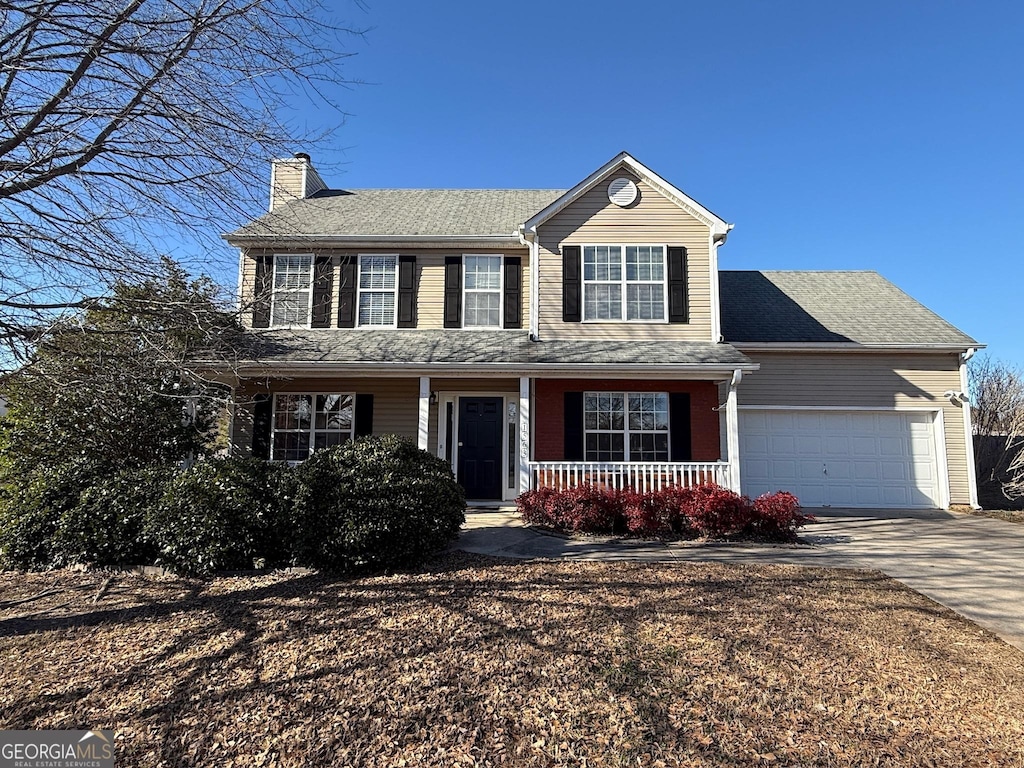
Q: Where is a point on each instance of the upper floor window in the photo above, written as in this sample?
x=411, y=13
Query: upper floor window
x=310, y=422
x=630, y=278
x=625, y=426
x=482, y=292
x=378, y=290
x=292, y=296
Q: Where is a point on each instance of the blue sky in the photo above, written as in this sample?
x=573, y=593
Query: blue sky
x=869, y=135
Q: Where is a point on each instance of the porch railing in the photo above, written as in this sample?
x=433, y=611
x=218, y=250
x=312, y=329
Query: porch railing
x=641, y=476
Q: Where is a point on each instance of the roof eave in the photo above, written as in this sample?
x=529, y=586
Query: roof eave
x=329, y=240
x=830, y=346
x=696, y=371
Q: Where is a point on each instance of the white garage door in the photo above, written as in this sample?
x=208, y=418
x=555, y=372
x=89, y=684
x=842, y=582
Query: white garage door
x=841, y=458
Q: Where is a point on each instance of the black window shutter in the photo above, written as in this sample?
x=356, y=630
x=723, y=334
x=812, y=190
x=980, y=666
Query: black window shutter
x=347, y=292
x=261, y=292
x=573, y=421
x=323, y=283
x=406, y=291
x=363, y=415
x=572, y=284
x=452, y=291
x=679, y=426
x=678, y=305
x=513, y=292
x=261, y=421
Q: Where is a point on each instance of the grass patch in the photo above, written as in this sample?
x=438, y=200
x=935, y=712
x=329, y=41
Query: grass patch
x=479, y=661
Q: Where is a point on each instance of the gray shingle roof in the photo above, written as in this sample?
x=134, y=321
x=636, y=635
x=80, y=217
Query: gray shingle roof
x=476, y=347
x=410, y=212
x=859, y=307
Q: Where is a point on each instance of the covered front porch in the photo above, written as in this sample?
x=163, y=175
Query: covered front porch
x=507, y=413
x=550, y=434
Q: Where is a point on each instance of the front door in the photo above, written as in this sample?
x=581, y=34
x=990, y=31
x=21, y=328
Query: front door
x=480, y=427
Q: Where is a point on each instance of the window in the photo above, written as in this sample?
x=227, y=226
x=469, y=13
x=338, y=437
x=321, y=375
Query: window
x=625, y=426
x=378, y=289
x=292, y=299
x=482, y=292
x=310, y=422
x=630, y=277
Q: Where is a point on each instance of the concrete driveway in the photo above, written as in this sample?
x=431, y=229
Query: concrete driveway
x=973, y=565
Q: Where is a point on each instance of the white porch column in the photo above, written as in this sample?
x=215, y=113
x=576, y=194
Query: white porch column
x=424, y=426
x=524, y=433
x=732, y=431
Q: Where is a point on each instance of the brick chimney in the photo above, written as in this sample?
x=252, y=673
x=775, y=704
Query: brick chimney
x=293, y=178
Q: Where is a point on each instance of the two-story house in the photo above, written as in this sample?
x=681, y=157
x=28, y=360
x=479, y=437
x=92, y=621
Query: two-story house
x=553, y=337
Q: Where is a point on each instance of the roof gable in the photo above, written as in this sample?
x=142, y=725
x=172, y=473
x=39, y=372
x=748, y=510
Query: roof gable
x=624, y=160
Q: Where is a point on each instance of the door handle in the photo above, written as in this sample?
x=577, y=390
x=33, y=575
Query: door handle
x=460, y=444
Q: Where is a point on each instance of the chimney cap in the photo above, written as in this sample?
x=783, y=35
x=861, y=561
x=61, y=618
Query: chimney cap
x=303, y=156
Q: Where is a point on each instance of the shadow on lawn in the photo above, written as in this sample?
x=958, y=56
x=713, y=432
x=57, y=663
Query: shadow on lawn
x=460, y=607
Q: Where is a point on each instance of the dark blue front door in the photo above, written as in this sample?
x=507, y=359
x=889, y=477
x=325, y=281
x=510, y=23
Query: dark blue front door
x=480, y=447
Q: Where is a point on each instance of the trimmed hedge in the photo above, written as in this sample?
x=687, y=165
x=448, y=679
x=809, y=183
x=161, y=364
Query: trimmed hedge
x=108, y=524
x=31, y=508
x=373, y=503
x=223, y=514
x=672, y=513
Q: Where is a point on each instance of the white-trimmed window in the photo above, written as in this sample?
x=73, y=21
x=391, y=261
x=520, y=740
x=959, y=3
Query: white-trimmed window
x=292, y=297
x=304, y=423
x=378, y=290
x=625, y=426
x=481, y=291
x=624, y=282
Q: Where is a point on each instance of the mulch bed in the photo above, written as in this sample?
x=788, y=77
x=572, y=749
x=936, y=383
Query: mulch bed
x=479, y=661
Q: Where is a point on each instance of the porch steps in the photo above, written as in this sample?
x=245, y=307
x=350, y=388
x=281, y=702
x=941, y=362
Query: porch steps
x=488, y=507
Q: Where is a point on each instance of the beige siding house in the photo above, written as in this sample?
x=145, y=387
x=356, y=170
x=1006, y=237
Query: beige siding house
x=554, y=337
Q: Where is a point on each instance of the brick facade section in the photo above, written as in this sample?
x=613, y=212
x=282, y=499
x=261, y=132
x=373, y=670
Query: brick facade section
x=549, y=422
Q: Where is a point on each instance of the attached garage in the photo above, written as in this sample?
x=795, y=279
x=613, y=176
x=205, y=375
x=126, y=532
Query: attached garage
x=844, y=458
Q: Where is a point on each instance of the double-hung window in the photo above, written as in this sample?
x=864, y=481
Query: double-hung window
x=482, y=292
x=625, y=426
x=624, y=282
x=292, y=297
x=378, y=290
x=309, y=422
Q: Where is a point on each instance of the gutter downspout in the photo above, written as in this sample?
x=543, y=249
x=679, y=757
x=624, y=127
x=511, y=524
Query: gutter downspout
x=716, y=302
x=972, y=476
x=529, y=238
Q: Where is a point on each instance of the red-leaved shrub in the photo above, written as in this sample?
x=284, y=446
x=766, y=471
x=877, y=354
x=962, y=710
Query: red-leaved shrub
x=672, y=512
x=647, y=514
x=534, y=506
x=676, y=501
x=587, y=509
x=583, y=509
x=778, y=515
x=716, y=512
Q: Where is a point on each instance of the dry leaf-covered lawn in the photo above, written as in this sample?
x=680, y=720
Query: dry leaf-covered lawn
x=1007, y=515
x=478, y=661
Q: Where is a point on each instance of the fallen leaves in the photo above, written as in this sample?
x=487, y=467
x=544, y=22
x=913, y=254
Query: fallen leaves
x=484, y=662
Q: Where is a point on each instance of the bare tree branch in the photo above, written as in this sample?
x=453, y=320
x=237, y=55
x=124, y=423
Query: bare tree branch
x=129, y=126
x=997, y=411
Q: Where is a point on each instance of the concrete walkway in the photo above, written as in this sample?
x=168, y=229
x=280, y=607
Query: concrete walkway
x=973, y=565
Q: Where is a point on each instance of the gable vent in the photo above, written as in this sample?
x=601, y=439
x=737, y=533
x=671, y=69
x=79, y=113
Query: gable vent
x=622, y=192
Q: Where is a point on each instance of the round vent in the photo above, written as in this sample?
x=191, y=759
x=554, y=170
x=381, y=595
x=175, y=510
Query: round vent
x=622, y=192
